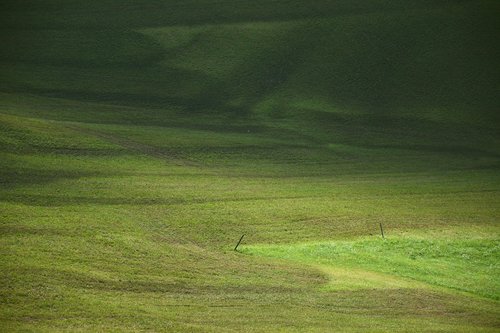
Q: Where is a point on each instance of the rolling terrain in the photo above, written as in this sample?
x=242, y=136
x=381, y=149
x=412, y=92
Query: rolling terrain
x=140, y=139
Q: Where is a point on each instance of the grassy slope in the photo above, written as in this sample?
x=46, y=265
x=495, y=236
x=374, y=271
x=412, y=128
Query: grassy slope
x=138, y=144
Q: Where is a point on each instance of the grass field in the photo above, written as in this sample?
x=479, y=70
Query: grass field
x=140, y=139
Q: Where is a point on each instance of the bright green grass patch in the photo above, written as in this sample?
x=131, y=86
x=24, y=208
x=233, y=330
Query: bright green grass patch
x=465, y=265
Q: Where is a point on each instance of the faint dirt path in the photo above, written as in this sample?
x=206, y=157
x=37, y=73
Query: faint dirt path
x=131, y=145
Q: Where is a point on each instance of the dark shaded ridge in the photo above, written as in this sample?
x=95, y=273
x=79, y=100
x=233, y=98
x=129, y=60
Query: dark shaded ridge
x=136, y=13
x=376, y=63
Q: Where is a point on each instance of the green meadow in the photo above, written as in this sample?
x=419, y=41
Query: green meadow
x=139, y=140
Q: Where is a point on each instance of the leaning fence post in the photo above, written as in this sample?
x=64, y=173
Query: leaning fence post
x=382, y=231
x=238, y=242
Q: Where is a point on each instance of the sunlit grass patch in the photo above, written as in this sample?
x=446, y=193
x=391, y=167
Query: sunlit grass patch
x=464, y=265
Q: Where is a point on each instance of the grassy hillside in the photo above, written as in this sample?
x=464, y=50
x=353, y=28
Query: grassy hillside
x=140, y=139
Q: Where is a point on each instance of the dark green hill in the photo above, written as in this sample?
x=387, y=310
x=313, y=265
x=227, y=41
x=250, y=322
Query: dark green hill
x=358, y=60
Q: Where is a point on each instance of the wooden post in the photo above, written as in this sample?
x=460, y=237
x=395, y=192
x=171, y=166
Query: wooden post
x=382, y=230
x=239, y=242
